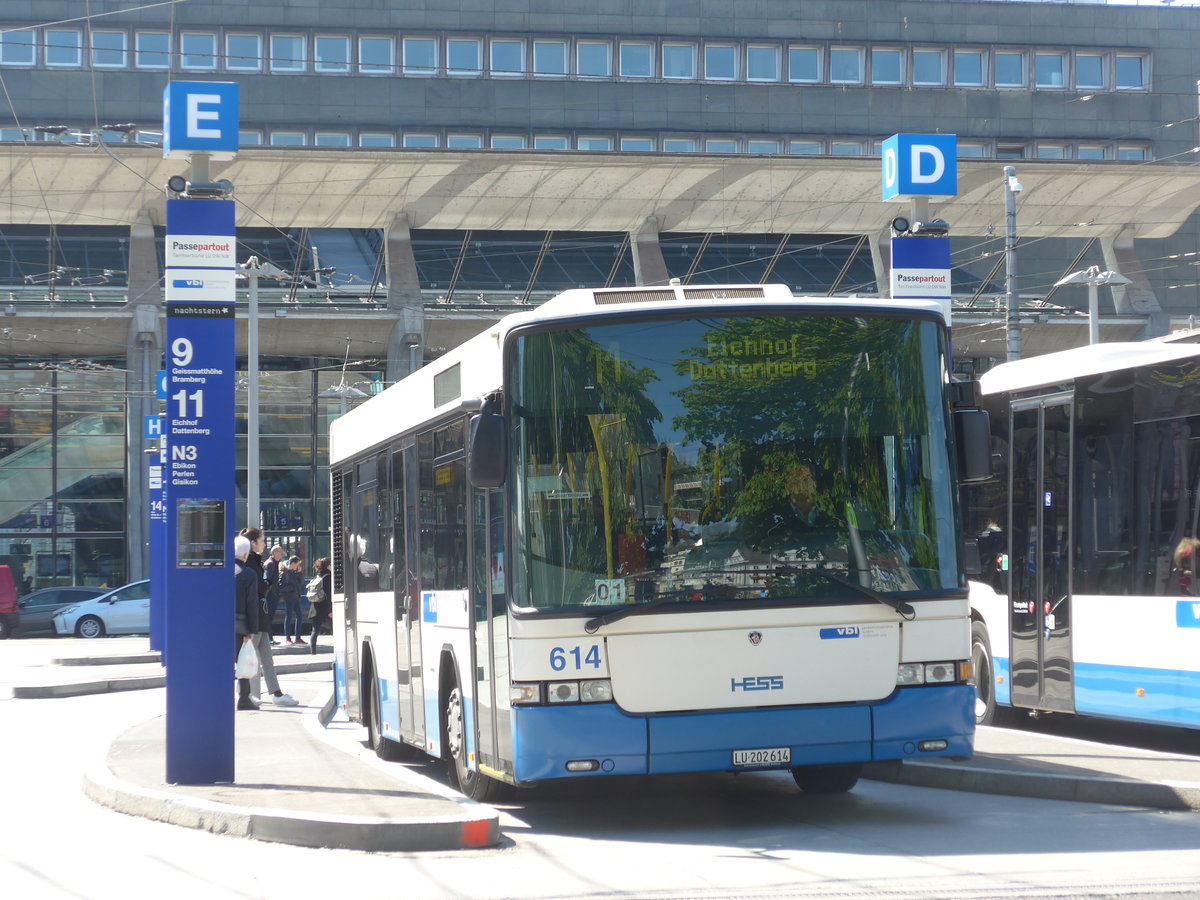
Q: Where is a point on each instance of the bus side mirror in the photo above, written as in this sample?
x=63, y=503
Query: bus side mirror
x=487, y=450
x=972, y=563
x=974, y=439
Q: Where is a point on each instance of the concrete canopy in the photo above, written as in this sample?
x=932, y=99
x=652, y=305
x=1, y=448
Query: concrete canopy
x=577, y=191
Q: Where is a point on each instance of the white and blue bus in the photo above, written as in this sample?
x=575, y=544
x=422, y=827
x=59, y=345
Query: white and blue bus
x=1083, y=602
x=661, y=530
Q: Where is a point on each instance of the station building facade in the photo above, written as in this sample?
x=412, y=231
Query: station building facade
x=413, y=169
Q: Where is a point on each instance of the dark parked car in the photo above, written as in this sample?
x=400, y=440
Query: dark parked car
x=37, y=609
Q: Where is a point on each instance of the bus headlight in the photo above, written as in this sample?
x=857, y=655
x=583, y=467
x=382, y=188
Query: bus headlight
x=533, y=693
x=599, y=691
x=950, y=672
x=562, y=692
x=940, y=673
x=524, y=694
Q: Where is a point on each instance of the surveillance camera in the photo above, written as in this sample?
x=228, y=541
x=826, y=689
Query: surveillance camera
x=1014, y=185
x=176, y=184
x=209, y=190
x=932, y=228
x=900, y=225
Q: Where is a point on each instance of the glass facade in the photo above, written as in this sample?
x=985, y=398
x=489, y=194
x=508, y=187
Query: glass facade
x=62, y=476
x=63, y=473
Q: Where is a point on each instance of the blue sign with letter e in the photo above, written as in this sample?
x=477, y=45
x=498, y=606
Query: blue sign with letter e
x=920, y=165
x=200, y=117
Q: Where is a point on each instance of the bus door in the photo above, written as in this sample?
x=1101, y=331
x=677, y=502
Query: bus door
x=1040, y=529
x=493, y=745
x=344, y=510
x=407, y=587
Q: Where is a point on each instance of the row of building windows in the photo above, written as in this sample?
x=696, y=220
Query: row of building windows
x=587, y=58
x=451, y=140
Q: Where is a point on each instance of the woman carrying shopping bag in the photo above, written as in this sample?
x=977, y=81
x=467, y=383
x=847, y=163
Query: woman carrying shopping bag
x=245, y=612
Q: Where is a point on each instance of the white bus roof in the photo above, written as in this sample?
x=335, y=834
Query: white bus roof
x=1078, y=362
x=407, y=404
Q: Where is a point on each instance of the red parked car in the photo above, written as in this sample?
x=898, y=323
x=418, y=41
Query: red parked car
x=9, y=618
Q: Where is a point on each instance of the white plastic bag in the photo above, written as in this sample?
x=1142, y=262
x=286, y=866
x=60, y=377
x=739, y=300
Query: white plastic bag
x=247, y=661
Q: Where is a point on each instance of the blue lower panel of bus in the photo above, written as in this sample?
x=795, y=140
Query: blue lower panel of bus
x=547, y=738
x=928, y=713
x=1003, y=680
x=1167, y=696
x=339, y=680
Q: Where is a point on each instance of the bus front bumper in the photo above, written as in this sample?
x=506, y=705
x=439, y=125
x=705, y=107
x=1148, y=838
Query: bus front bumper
x=911, y=723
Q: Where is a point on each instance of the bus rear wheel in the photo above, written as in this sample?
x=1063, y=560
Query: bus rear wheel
x=474, y=784
x=827, y=779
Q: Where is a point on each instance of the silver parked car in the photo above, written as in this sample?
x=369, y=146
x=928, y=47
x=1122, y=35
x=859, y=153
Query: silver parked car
x=123, y=611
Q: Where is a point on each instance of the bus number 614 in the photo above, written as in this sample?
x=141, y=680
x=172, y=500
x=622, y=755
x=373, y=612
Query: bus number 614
x=560, y=657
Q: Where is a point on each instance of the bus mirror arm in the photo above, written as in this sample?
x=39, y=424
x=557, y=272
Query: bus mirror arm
x=487, y=450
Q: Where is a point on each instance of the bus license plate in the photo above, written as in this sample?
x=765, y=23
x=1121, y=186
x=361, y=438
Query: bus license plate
x=767, y=756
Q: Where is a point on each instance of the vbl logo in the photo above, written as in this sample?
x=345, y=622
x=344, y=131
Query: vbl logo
x=841, y=632
x=757, y=683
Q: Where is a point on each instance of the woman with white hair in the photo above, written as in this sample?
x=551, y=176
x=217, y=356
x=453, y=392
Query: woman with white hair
x=245, y=611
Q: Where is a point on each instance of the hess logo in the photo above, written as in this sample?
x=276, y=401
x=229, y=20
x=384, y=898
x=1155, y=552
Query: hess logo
x=756, y=683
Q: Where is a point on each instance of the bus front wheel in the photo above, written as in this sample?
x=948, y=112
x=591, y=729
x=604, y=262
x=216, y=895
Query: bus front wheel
x=474, y=784
x=826, y=779
x=385, y=749
x=985, y=677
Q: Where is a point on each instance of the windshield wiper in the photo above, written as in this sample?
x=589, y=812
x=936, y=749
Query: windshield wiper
x=902, y=607
x=591, y=626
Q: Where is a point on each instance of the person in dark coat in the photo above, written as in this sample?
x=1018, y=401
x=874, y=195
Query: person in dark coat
x=323, y=608
x=258, y=544
x=245, y=610
x=271, y=569
x=291, y=589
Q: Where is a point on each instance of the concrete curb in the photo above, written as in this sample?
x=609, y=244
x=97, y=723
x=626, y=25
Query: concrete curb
x=132, y=659
x=298, y=828
x=1045, y=786
x=137, y=683
x=477, y=827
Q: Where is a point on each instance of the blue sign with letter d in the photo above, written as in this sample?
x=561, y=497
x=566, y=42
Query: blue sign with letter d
x=920, y=165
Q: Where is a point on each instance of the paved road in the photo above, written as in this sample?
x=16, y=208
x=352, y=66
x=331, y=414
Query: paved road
x=749, y=835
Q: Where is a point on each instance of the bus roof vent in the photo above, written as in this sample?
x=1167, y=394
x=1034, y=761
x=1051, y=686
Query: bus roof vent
x=644, y=295
x=659, y=295
x=738, y=293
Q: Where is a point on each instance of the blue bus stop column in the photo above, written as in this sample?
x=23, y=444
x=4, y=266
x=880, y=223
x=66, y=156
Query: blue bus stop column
x=157, y=537
x=199, y=478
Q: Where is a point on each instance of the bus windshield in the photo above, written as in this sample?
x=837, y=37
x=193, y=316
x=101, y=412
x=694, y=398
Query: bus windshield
x=726, y=459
